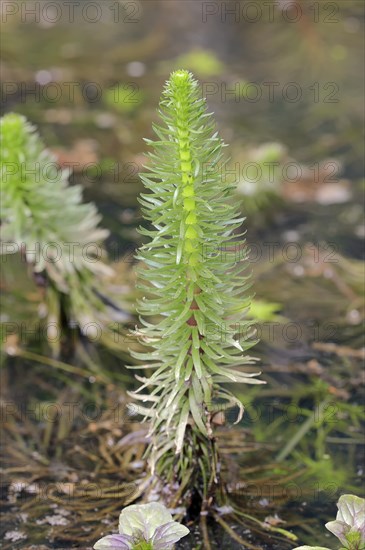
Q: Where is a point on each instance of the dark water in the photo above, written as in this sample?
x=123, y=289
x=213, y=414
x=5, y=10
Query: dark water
x=284, y=72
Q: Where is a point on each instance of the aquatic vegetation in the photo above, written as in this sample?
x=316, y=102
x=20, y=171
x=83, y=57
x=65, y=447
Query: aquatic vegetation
x=124, y=98
x=260, y=177
x=349, y=526
x=203, y=62
x=262, y=310
x=196, y=292
x=268, y=88
x=46, y=222
x=307, y=424
x=144, y=527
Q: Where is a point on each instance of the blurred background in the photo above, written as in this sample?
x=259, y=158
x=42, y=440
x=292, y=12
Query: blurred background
x=285, y=81
x=286, y=73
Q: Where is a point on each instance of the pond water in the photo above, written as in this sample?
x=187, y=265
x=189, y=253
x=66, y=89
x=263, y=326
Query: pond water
x=89, y=74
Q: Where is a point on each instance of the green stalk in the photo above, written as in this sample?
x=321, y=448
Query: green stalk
x=195, y=290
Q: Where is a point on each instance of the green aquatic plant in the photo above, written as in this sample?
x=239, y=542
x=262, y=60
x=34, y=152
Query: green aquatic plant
x=192, y=272
x=124, y=98
x=202, y=62
x=144, y=527
x=260, y=177
x=264, y=311
x=349, y=525
x=44, y=219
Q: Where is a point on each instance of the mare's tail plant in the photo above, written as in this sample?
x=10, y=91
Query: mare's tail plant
x=44, y=219
x=195, y=291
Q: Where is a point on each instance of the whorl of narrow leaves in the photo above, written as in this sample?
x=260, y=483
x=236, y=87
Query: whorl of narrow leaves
x=196, y=294
x=44, y=217
x=38, y=205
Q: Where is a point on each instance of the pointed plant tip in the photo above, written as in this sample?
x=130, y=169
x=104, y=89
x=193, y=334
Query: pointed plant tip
x=181, y=74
